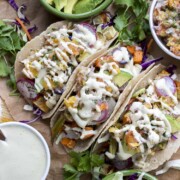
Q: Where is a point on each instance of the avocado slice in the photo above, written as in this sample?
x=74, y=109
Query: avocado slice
x=121, y=78
x=70, y=6
x=60, y=4
x=139, y=92
x=175, y=123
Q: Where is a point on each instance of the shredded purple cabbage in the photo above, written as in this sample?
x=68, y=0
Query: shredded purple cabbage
x=21, y=15
x=148, y=63
x=37, y=112
x=32, y=120
x=20, y=10
x=32, y=29
x=173, y=137
x=171, y=69
x=133, y=176
x=13, y=4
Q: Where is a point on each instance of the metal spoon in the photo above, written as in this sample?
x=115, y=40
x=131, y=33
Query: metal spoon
x=2, y=137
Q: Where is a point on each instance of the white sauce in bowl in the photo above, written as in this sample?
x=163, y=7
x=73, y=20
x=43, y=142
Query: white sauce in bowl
x=24, y=155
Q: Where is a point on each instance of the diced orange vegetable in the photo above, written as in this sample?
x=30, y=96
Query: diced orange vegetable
x=70, y=102
x=41, y=104
x=97, y=63
x=130, y=140
x=149, y=44
x=74, y=49
x=88, y=128
x=99, y=80
x=103, y=106
x=89, y=135
x=126, y=119
x=108, y=88
x=131, y=49
x=24, y=28
x=68, y=142
x=138, y=56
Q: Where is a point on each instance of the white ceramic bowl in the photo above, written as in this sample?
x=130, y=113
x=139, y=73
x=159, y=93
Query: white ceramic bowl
x=40, y=137
x=156, y=38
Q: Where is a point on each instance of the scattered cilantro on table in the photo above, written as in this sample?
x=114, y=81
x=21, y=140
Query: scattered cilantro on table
x=132, y=20
x=10, y=44
x=81, y=163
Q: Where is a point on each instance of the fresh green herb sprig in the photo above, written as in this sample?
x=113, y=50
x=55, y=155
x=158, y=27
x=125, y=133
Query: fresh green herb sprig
x=132, y=20
x=81, y=163
x=10, y=44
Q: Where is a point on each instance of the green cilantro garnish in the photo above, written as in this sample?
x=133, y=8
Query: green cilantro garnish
x=10, y=44
x=81, y=163
x=132, y=20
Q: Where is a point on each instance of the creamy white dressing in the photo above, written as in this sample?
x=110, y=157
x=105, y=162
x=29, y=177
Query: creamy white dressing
x=132, y=69
x=22, y=155
x=121, y=54
x=92, y=92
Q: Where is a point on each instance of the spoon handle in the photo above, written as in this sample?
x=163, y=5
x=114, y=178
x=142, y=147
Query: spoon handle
x=2, y=137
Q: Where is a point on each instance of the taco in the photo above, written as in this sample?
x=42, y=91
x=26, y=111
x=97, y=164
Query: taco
x=142, y=133
x=46, y=66
x=100, y=89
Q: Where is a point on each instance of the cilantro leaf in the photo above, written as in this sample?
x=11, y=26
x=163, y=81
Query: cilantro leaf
x=121, y=21
x=81, y=163
x=10, y=44
x=132, y=20
x=4, y=69
x=96, y=160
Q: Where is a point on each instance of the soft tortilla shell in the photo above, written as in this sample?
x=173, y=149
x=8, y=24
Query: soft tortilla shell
x=37, y=43
x=160, y=157
x=84, y=145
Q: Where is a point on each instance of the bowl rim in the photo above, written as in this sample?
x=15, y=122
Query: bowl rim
x=85, y=15
x=40, y=137
x=156, y=38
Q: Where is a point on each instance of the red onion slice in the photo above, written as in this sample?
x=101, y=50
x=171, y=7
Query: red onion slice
x=169, y=83
x=90, y=28
x=27, y=89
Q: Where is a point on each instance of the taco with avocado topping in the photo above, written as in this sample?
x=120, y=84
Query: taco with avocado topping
x=100, y=89
x=146, y=129
x=46, y=66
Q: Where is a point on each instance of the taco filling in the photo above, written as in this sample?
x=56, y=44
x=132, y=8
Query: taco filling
x=151, y=117
x=94, y=97
x=48, y=69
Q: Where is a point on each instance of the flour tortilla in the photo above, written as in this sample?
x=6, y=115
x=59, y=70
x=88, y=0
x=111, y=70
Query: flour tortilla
x=84, y=145
x=37, y=43
x=161, y=156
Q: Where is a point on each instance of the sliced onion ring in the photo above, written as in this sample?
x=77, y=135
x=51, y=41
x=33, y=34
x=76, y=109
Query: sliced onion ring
x=169, y=83
x=27, y=89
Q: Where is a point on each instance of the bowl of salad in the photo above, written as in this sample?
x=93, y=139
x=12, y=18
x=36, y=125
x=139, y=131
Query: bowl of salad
x=75, y=9
x=165, y=25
